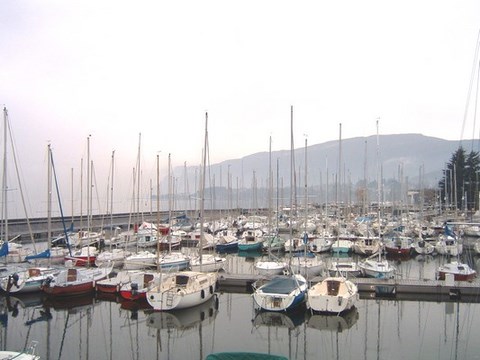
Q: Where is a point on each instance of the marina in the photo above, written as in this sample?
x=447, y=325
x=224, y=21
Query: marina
x=255, y=180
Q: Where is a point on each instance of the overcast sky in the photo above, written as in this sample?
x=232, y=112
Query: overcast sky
x=115, y=69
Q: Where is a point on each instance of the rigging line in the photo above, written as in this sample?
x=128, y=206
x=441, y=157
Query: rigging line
x=60, y=204
x=95, y=185
x=469, y=92
x=12, y=145
x=476, y=103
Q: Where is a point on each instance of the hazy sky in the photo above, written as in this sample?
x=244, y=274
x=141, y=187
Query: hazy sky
x=114, y=69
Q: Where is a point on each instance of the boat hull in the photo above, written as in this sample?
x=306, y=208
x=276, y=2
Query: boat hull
x=273, y=297
x=69, y=290
x=457, y=277
x=333, y=295
x=193, y=289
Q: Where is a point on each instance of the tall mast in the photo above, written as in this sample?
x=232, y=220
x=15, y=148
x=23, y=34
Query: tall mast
x=339, y=179
x=169, y=205
x=202, y=186
x=71, y=193
x=292, y=169
x=4, y=178
x=270, y=187
x=158, y=211
x=138, y=177
x=111, y=198
x=305, y=236
x=89, y=199
x=49, y=198
x=379, y=189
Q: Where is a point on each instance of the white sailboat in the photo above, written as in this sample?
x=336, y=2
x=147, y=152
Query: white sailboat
x=9, y=250
x=283, y=292
x=376, y=267
x=271, y=266
x=185, y=289
x=308, y=265
x=181, y=290
x=332, y=295
x=115, y=256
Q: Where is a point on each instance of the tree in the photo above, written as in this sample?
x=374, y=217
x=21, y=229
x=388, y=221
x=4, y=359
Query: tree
x=459, y=185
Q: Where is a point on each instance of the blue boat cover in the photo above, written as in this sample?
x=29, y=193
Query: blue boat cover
x=281, y=285
x=43, y=255
x=4, y=249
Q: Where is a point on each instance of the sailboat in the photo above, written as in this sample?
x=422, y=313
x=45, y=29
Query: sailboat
x=209, y=262
x=280, y=293
x=448, y=243
x=182, y=290
x=11, y=251
x=283, y=292
x=308, y=265
x=376, y=267
x=137, y=286
x=113, y=284
x=75, y=281
x=332, y=295
x=171, y=259
x=86, y=254
x=188, y=288
x=114, y=255
x=460, y=271
x=30, y=279
x=271, y=266
x=342, y=245
x=26, y=280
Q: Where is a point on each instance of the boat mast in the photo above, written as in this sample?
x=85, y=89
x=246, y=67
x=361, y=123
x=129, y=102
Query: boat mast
x=71, y=196
x=158, y=213
x=4, y=178
x=169, y=205
x=49, y=200
x=138, y=178
x=292, y=169
x=338, y=182
x=111, y=200
x=305, y=236
x=202, y=188
x=378, y=191
x=89, y=200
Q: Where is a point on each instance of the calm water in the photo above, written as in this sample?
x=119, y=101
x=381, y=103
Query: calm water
x=92, y=328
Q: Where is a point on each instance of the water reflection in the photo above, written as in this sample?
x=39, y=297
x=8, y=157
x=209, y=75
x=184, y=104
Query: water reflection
x=287, y=319
x=106, y=327
x=330, y=322
x=185, y=319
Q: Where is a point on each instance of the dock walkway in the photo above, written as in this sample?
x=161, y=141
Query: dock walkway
x=427, y=289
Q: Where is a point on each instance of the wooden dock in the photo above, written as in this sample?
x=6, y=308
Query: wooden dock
x=370, y=288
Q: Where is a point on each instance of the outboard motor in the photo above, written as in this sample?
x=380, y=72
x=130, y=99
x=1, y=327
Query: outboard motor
x=134, y=287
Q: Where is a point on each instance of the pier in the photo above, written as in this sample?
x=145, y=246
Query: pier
x=370, y=288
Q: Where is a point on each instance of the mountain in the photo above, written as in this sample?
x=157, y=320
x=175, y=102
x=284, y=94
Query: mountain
x=401, y=156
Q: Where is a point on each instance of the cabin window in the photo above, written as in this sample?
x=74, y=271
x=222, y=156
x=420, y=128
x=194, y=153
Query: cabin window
x=72, y=275
x=34, y=272
x=181, y=280
x=332, y=287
